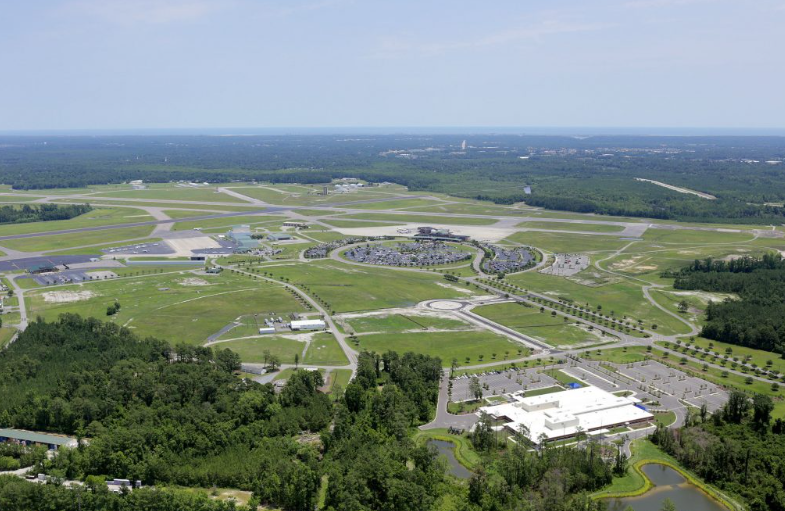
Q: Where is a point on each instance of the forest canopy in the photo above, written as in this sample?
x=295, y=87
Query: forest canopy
x=591, y=175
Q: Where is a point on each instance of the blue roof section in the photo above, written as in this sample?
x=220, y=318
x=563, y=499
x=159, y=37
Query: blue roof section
x=574, y=385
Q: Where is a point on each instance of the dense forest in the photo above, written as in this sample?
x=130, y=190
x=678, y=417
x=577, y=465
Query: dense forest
x=757, y=318
x=737, y=449
x=591, y=174
x=179, y=416
x=41, y=212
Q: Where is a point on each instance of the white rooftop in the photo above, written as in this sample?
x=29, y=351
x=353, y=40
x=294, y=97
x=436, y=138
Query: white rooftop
x=561, y=414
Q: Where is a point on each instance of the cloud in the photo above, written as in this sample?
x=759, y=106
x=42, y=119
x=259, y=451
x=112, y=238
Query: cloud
x=398, y=46
x=154, y=12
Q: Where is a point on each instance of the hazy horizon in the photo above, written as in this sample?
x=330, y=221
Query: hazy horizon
x=194, y=64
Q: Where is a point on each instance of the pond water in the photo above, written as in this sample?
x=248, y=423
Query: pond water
x=668, y=484
x=446, y=451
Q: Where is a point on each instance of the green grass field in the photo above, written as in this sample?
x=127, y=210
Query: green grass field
x=324, y=350
x=338, y=378
x=445, y=345
x=6, y=333
x=64, y=241
x=624, y=298
x=169, y=306
x=684, y=236
x=566, y=226
x=96, y=218
x=252, y=350
x=353, y=288
x=530, y=321
x=568, y=243
x=415, y=204
x=225, y=222
x=422, y=219
x=348, y=224
x=397, y=323
x=203, y=194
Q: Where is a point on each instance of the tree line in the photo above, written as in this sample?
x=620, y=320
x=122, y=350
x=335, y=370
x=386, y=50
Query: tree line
x=757, y=318
x=41, y=212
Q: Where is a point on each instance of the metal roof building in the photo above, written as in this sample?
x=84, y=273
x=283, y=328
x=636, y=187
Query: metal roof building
x=241, y=235
x=307, y=324
x=24, y=437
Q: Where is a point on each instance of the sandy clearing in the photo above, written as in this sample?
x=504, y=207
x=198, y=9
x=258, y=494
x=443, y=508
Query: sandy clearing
x=455, y=288
x=193, y=281
x=67, y=296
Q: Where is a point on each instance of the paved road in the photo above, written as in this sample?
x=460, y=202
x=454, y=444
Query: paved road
x=350, y=353
x=445, y=419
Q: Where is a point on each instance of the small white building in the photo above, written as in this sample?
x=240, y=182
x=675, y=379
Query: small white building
x=266, y=330
x=563, y=414
x=308, y=324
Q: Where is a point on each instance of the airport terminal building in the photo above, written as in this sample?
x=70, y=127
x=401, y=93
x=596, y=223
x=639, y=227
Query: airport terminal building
x=561, y=415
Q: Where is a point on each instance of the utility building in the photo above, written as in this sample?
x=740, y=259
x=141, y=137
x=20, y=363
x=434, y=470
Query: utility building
x=307, y=324
x=23, y=437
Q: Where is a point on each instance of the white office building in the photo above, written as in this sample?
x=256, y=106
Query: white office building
x=563, y=414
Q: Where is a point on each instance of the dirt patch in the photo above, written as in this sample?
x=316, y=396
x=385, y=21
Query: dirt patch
x=594, y=279
x=193, y=281
x=455, y=288
x=67, y=296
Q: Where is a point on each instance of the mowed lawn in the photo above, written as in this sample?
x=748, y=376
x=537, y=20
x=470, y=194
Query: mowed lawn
x=466, y=347
x=396, y=323
x=624, y=298
x=225, y=222
x=204, y=194
x=96, y=218
x=78, y=239
x=252, y=351
x=422, y=219
x=324, y=350
x=686, y=236
x=567, y=226
x=349, y=288
x=540, y=325
x=165, y=306
x=568, y=242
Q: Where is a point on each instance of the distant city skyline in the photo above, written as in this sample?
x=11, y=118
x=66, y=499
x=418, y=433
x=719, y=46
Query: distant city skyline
x=567, y=67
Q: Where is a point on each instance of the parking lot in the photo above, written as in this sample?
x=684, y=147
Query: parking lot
x=419, y=253
x=566, y=265
x=508, y=260
x=71, y=277
x=677, y=384
x=156, y=248
x=502, y=382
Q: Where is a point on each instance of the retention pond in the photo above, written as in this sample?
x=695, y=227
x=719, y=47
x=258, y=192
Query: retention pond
x=446, y=450
x=668, y=484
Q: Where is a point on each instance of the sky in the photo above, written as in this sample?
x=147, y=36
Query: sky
x=192, y=64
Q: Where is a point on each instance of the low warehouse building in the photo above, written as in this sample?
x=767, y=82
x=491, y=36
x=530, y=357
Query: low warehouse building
x=266, y=330
x=279, y=236
x=307, y=324
x=23, y=437
x=564, y=414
